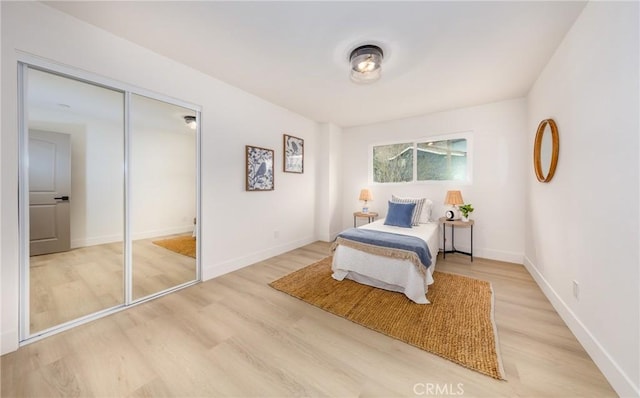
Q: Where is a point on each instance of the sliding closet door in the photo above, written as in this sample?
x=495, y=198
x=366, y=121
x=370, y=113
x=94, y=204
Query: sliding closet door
x=108, y=197
x=73, y=154
x=162, y=170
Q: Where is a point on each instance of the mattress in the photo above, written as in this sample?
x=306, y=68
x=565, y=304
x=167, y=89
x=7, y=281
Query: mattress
x=389, y=273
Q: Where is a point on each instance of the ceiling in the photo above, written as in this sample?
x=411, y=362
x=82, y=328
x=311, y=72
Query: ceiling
x=437, y=55
x=55, y=100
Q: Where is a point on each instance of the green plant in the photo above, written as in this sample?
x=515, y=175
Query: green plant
x=466, y=209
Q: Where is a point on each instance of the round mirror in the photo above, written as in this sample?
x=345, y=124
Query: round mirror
x=545, y=150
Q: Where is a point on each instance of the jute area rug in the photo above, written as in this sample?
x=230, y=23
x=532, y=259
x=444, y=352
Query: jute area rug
x=185, y=245
x=458, y=324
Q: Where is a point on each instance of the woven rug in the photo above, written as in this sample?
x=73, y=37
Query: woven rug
x=458, y=324
x=185, y=245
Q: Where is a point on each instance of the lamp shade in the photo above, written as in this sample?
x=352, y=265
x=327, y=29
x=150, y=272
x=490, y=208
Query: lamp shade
x=365, y=195
x=453, y=198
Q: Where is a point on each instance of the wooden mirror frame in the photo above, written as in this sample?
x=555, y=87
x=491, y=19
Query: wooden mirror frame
x=537, y=148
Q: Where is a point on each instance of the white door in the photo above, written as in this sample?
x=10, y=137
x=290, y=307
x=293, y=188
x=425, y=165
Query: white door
x=49, y=190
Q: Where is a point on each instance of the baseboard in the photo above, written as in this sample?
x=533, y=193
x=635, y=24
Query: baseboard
x=10, y=341
x=498, y=255
x=163, y=232
x=210, y=271
x=96, y=240
x=101, y=240
x=618, y=379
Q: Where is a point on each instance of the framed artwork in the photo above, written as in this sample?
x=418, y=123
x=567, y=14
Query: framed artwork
x=293, y=150
x=259, y=169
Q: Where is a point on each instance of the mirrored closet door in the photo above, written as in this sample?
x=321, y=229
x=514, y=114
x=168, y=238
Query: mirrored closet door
x=75, y=154
x=109, y=199
x=163, y=195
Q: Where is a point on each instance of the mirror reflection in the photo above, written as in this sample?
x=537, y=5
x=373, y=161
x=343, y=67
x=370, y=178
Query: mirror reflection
x=75, y=155
x=78, y=185
x=163, y=195
x=546, y=149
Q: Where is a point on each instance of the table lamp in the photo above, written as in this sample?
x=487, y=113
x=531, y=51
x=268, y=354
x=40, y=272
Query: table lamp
x=454, y=198
x=365, y=195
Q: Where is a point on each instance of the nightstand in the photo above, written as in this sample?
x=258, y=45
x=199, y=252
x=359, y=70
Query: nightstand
x=454, y=224
x=370, y=216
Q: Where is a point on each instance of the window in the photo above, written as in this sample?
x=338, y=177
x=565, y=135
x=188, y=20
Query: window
x=439, y=159
x=442, y=160
x=393, y=163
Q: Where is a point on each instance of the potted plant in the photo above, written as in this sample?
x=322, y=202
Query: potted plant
x=465, y=210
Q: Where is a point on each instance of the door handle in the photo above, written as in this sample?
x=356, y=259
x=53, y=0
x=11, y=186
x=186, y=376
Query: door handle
x=62, y=198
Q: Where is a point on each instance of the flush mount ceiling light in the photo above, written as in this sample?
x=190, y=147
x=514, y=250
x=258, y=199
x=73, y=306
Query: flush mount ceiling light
x=366, y=63
x=191, y=122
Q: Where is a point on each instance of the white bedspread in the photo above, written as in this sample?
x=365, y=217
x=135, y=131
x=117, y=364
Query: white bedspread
x=389, y=273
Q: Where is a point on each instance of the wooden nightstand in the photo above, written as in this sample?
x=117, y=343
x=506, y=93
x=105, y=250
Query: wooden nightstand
x=454, y=224
x=370, y=216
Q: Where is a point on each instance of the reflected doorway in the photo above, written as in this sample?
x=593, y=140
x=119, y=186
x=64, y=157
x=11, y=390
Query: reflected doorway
x=49, y=190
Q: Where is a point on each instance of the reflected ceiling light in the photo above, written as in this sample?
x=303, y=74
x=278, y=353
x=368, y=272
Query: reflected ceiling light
x=366, y=63
x=191, y=122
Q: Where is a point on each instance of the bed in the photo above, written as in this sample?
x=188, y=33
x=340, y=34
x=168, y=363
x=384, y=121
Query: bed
x=374, y=266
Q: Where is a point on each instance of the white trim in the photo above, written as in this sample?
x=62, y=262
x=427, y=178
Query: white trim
x=23, y=205
x=215, y=270
x=9, y=341
x=498, y=255
x=614, y=374
x=101, y=240
x=197, y=229
x=127, y=253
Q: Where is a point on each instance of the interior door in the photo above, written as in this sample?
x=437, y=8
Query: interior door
x=49, y=190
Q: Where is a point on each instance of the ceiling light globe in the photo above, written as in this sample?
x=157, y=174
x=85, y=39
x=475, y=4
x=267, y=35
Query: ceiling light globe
x=366, y=64
x=191, y=122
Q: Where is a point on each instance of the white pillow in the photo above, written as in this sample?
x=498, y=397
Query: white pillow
x=426, y=212
x=417, y=212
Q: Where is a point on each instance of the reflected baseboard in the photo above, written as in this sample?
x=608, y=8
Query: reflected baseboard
x=101, y=240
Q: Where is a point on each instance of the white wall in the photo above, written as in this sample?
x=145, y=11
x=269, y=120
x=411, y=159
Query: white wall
x=238, y=227
x=329, y=188
x=497, y=189
x=163, y=179
x=583, y=225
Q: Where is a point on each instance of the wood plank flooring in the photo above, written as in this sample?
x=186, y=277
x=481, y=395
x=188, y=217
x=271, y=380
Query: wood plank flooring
x=66, y=286
x=234, y=336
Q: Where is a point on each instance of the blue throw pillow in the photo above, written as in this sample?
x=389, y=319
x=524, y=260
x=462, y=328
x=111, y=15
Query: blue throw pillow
x=400, y=214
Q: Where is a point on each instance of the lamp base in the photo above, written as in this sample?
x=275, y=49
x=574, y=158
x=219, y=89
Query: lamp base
x=365, y=209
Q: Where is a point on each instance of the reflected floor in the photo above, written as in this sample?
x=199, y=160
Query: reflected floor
x=69, y=285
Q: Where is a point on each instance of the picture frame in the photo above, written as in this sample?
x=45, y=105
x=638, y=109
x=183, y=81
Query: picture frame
x=259, y=163
x=293, y=154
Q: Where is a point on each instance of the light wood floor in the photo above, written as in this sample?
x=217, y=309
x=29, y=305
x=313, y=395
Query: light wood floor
x=235, y=336
x=66, y=286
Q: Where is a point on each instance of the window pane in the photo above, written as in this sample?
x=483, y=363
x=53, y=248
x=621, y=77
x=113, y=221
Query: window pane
x=393, y=163
x=442, y=160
